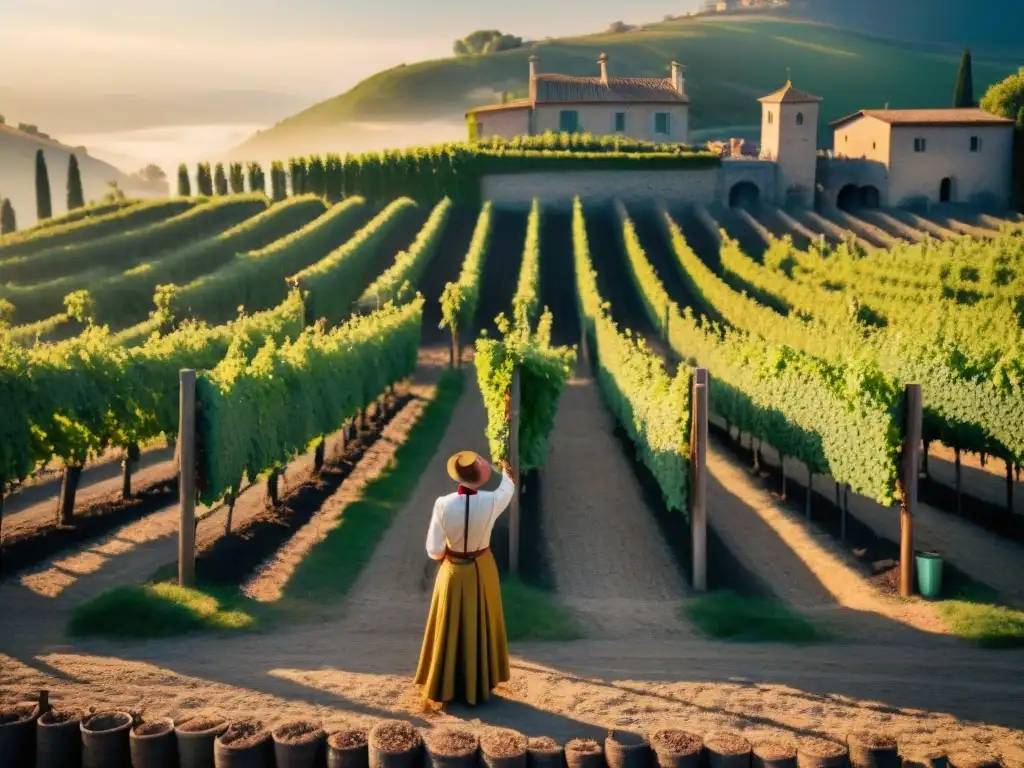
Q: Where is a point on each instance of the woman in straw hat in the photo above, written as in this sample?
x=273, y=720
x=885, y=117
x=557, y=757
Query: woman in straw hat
x=465, y=650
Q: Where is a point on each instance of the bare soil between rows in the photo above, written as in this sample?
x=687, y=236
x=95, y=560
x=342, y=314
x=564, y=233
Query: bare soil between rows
x=49, y=539
x=876, y=556
x=229, y=559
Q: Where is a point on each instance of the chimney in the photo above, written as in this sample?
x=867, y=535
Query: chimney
x=603, y=61
x=533, y=77
x=679, y=77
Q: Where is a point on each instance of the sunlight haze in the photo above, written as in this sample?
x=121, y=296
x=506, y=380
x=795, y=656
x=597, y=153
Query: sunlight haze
x=312, y=48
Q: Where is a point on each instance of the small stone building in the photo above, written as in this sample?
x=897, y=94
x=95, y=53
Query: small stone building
x=926, y=155
x=645, y=108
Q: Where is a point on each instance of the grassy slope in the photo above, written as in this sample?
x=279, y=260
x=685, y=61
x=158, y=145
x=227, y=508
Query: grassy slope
x=731, y=61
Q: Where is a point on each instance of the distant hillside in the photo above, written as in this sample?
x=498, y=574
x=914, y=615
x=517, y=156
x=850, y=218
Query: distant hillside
x=77, y=111
x=731, y=61
x=989, y=26
x=17, y=174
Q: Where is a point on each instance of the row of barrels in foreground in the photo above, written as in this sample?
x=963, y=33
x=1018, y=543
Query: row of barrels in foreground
x=65, y=738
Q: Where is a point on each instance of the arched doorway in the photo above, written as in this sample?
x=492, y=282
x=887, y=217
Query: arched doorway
x=870, y=197
x=744, y=194
x=946, y=190
x=849, y=198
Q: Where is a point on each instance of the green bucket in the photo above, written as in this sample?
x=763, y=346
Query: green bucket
x=929, y=574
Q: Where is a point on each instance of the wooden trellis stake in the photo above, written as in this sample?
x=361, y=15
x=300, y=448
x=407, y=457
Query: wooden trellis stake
x=513, y=449
x=187, y=478
x=908, y=507
x=699, y=478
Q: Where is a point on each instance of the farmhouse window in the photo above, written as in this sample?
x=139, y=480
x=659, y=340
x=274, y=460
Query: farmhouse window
x=975, y=144
x=620, y=121
x=920, y=145
x=568, y=121
x=479, y=130
x=661, y=123
x=799, y=118
x=771, y=117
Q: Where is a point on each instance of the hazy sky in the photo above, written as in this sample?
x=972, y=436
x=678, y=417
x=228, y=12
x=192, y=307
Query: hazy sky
x=308, y=47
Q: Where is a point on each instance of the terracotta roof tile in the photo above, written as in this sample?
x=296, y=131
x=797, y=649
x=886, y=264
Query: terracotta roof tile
x=918, y=117
x=787, y=94
x=564, y=88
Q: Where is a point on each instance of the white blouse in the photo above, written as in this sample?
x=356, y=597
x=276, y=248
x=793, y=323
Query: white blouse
x=447, y=524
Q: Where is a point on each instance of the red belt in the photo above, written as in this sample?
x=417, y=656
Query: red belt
x=467, y=555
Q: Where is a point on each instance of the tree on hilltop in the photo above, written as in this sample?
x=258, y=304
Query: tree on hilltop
x=220, y=180
x=8, y=221
x=184, y=183
x=963, y=94
x=44, y=206
x=485, y=41
x=76, y=198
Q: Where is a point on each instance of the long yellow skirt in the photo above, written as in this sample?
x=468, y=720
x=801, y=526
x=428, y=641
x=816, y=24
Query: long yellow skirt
x=465, y=649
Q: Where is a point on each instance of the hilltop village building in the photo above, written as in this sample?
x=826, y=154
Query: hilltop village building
x=880, y=157
x=646, y=108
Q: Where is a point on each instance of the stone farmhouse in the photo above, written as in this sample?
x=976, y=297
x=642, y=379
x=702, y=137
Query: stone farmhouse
x=646, y=108
x=880, y=157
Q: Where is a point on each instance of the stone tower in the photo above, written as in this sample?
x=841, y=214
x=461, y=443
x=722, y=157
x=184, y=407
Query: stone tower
x=789, y=136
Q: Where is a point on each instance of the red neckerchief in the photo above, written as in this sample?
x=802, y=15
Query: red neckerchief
x=464, y=491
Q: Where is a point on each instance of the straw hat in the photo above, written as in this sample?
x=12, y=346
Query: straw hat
x=469, y=469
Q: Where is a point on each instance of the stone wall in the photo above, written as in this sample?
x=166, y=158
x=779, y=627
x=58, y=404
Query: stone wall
x=835, y=173
x=763, y=174
x=516, y=190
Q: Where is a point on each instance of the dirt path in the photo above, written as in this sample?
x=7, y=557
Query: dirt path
x=393, y=592
x=347, y=678
x=985, y=557
x=611, y=564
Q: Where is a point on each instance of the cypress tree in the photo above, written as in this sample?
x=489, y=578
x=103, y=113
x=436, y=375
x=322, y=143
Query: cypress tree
x=256, y=180
x=204, y=180
x=44, y=206
x=316, y=181
x=278, y=181
x=76, y=199
x=963, y=94
x=220, y=180
x=236, y=178
x=184, y=184
x=8, y=221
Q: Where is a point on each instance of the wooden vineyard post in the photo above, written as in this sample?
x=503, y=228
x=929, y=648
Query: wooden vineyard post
x=908, y=507
x=187, y=478
x=513, y=450
x=699, y=478
x=456, y=351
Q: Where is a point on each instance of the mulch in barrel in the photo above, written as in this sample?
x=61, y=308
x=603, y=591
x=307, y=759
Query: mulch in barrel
x=451, y=742
x=501, y=742
x=674, y=741
x=395, y=737
x=349, y=739
x=244, y=733
x=298, y=731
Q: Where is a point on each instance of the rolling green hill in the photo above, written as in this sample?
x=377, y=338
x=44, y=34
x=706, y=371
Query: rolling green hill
x=988, y=26
x=731, y=61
